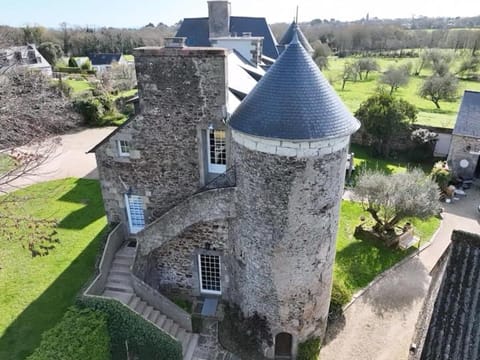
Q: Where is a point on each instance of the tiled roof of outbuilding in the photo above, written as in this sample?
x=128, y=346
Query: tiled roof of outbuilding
x=454, y=331
x=294, y=101
x=468, y=118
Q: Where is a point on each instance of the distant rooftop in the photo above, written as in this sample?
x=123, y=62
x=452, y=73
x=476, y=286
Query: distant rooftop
x=104, y=58
x=288, y=36
x=196, y=31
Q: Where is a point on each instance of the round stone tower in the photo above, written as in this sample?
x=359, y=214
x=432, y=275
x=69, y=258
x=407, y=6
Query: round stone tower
x=290, y=137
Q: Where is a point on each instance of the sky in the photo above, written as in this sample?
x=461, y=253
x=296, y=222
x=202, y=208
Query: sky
x=137, y=13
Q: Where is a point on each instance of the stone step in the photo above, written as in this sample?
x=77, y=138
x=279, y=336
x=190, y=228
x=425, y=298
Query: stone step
x=120, y=268
x=122, y=296
x=167, y=325
x=127, y=258
x=126, y=251
x=133, y=302
x=161, y=320
x=192, y=344
x=120, y=278
x=173, y=330
x=122, y=261
x=116, y=286
x=140, y=307
x=154, y=316
x=181, y=336
x=147, y=311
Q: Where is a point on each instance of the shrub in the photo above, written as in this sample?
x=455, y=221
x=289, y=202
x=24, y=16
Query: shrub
x=81, y=334
x=441, y=175
x=144, y=340
x=87, y=65
x=95, y=110
x=309, y=349
x=72, y=62
x=341, y=295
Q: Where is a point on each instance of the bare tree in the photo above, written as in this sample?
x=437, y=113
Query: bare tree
x=31, y=110
x=366, y=65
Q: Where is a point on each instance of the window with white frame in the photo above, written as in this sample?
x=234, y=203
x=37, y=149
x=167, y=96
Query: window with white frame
x=217, y=154
x=123, y=147
x=209, y=271
x=135, y=213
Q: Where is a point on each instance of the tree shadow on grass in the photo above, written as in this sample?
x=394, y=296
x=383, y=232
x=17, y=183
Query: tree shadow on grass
x=24, y=334
x=85, y=192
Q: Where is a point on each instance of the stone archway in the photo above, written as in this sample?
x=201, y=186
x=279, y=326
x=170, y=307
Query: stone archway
x=283, y=346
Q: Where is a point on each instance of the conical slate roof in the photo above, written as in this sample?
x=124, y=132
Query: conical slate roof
x=293, y=101
x=288, y=36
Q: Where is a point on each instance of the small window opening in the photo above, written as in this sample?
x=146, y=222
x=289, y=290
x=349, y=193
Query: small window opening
x=123, y=147
x=217, y=155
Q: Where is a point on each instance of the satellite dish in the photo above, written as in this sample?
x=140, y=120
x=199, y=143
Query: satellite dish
x=464, y=163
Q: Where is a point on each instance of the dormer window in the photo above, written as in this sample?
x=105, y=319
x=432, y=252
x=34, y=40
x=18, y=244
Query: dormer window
x=123, y=147
x=217, y=155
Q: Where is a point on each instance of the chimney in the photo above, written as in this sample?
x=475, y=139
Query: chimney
x=218, y=18
x=175, y=42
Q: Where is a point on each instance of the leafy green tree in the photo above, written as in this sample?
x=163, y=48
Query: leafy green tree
x=390, y=199
x=50, y=51
x=469, y=66
x=86, y=65
x=382, y=117
x=436, y=88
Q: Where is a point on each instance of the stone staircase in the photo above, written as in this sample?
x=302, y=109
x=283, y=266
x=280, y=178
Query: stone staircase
x=119, y=286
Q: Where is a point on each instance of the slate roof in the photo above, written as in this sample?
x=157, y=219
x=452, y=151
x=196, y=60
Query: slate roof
x=288, y=36
x=468, y=118
x=454, y=329
x=294, y=101
x=197, y=32
x=104, y=58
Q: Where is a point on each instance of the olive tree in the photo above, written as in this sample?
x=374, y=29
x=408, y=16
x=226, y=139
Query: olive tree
x=436, y=88
x=395, y=77
x=389, y=199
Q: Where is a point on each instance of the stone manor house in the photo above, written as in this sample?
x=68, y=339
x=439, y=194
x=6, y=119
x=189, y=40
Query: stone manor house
x=239, y=206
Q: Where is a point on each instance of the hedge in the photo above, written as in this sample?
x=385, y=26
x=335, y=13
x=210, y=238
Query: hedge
x=73, y=70
x=144, y=339
x=81, y=334
x=309, y=349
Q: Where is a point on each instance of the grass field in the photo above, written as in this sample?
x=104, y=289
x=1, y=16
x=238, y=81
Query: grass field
x=78, y=86
x=35, y=292
x=357, y=261
x=357, y=92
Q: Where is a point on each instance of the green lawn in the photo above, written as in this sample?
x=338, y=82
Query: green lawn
x=125, y=93
x=78, y=86
x=357, y=261
x=35, y=292
x=363, y=160
x=357, y=92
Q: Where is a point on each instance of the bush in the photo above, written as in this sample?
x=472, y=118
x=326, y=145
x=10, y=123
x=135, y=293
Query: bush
x=87, y=65
x=72, y=62
x=144, y=340
x=341, y=295
x=441, y=175
x=96, y=110
x=81, y=334
x=309, y=349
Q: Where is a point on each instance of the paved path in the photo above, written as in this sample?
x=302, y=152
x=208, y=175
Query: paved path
x=69, y=159
x=380, y=324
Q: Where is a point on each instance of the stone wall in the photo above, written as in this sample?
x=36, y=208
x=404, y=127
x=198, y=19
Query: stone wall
x=173, y=268
x=464, y=147
x=182, y=91
x=284, y=238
